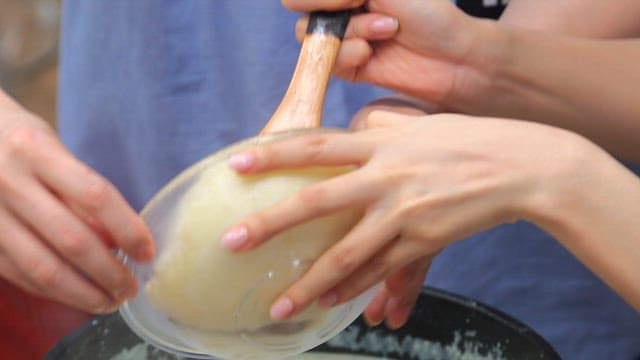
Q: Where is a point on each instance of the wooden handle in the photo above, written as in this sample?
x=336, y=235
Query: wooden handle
x=302, y=104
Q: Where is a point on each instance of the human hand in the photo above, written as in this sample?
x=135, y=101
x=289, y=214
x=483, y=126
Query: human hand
x=60, y=221
x=423, y=184
x=399, y=292
x=426, y=49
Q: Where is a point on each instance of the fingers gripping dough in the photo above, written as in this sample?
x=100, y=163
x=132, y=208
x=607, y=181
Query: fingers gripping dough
x=198, y=283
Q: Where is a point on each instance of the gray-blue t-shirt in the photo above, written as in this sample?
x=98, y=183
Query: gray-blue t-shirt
x=147, y=87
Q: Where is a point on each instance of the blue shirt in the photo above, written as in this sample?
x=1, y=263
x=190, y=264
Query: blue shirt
x=147, y=87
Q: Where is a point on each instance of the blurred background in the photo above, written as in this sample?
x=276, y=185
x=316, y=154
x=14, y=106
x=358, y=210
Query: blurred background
x=28, y=53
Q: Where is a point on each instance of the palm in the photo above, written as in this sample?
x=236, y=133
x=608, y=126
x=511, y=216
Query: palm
x=426, y=58
x=396, y=67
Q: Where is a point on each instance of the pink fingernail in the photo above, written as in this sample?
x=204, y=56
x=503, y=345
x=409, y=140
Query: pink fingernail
x=384, y=25
x=328, y=300
x=235, y=238
x=281, y=309
x=372, y=322
x=242, y=161
x=108, y=309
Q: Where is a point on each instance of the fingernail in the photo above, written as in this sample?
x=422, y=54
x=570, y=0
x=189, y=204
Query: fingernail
x=108, y=309
x=372, y=323
x=384, y=25
x=328, y=300
x=242, y=161
x=235, y=238
x=281, y=309
x=145, y=251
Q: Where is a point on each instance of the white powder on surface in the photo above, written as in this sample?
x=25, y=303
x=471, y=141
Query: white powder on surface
x=372, y=341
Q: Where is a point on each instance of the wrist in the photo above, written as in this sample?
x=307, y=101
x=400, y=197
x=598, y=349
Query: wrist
x=591, y=208
x=473, y=86
x=568, y=179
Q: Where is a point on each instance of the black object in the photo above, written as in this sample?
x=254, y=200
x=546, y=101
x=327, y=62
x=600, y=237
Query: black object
x=453, y=321
x=482, y=8
x=332, y=22
x=441, y=326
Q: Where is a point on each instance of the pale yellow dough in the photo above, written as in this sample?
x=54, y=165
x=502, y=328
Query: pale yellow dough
x=198, y=283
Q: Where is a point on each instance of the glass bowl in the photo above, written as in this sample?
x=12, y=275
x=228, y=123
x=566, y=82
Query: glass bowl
x=240, y=327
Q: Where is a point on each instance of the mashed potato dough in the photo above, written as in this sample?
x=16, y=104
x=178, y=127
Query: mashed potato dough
x=197, y=283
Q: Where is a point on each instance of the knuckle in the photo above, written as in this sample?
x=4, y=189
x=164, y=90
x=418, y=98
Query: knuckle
x=96, y=191
x=46, y=275
x=316, y=147
x=342, y=261
x=73, y=242
x=118, y=279
x=312, y=197
x=19, y=138
x=379, y=266
x=22, y=141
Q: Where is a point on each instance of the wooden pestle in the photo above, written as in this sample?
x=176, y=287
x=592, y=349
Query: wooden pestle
x=302, y=104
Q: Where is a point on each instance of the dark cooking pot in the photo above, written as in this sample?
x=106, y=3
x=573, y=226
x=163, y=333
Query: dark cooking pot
x=442, y=326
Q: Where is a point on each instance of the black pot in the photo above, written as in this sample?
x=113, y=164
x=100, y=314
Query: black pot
x=442, y=326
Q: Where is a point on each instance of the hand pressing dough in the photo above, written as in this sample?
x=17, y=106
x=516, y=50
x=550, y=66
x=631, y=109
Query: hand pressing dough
x=198, y=283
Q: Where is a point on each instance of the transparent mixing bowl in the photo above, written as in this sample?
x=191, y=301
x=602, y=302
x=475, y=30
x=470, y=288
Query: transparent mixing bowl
x=276, y=340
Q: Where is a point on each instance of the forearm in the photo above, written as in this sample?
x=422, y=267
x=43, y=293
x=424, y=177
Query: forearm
x=583, y=18
x=594, y=213
x=588, y=86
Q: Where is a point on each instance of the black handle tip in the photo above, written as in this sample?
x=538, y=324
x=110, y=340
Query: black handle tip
x=329, y=22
